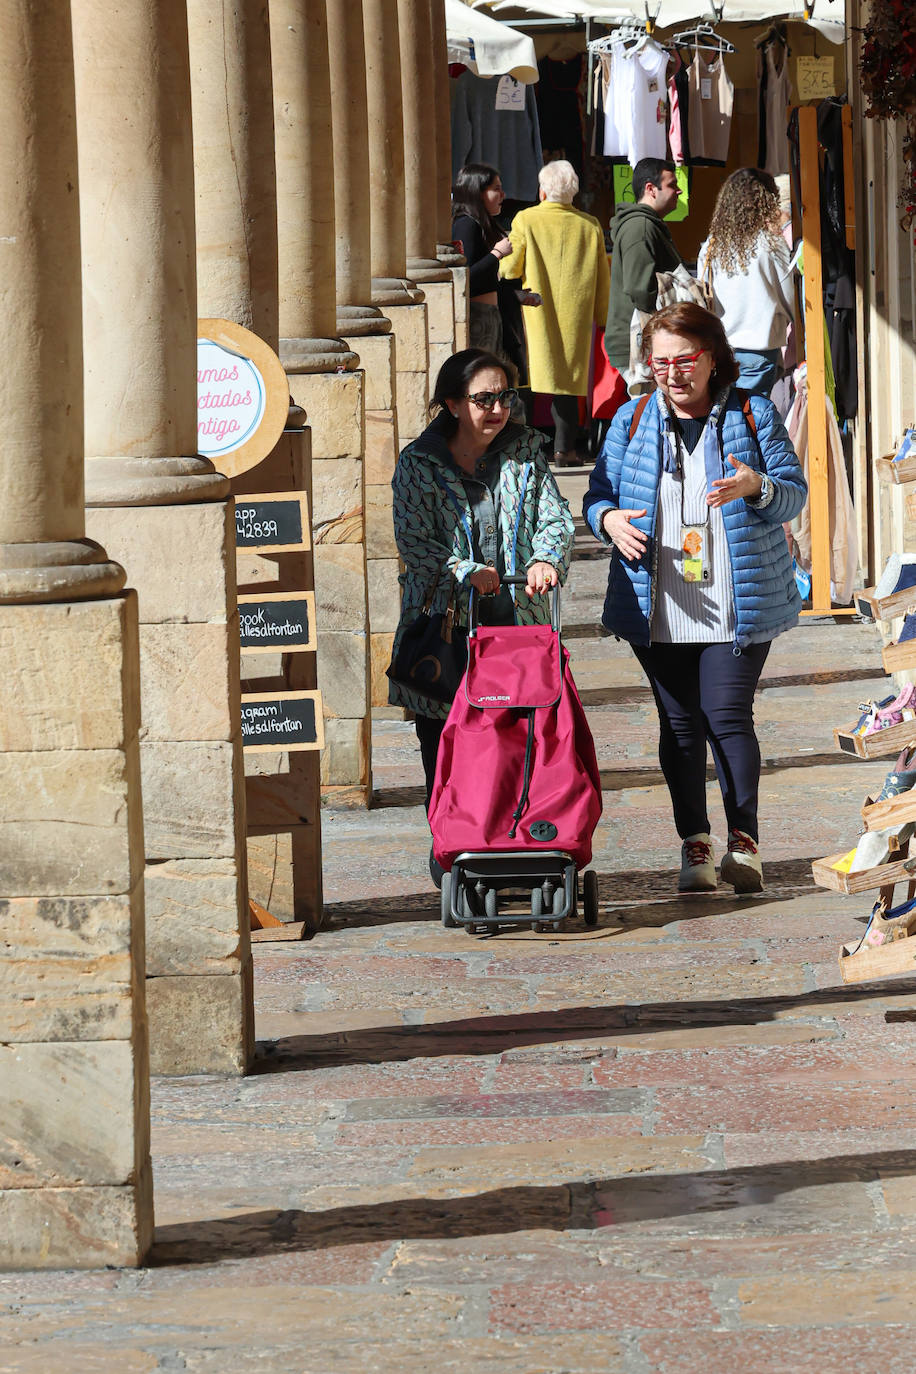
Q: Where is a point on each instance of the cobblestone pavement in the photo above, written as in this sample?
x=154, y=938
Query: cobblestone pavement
x=674, y=1143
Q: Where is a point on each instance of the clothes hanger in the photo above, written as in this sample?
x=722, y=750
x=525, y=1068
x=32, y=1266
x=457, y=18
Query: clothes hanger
x=703, y=35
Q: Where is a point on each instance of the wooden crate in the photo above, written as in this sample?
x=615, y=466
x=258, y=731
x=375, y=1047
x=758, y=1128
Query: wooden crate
x=910, y=504
x=825, y=875
x=879, y=744
x=894, y=811
x=896, y=473
x=899, y=658
x=896, y=957
x=885, y=607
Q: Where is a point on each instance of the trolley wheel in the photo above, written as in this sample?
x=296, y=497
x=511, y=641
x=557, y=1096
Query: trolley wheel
x=537, y=902
x=558, y=926
x=590, y=897
x=490, y=904
x=559, y=899
x=445, y=903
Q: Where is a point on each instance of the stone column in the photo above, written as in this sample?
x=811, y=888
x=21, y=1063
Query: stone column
x=420, y=164
x=75, y=1178
x=338, y=565
x=322, y=366
x=400, y=297
x=235, y=179
x=446, y=254
x=162, y=509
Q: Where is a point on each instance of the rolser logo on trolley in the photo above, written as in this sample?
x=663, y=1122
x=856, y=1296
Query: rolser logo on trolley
x=502, y=697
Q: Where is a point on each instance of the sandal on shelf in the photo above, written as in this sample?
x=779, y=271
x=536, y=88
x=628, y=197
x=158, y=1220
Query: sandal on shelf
x=868, y=712
x=884, y=926
x=902, y=779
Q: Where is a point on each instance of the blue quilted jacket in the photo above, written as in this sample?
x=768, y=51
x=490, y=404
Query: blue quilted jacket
x=626, y=477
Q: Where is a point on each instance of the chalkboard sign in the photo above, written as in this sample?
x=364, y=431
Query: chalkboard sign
x=282, y=721
x=283, y=620
x=272, y=520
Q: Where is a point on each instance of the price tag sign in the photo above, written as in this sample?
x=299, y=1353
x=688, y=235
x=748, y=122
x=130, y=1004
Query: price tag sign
x=242, y=396
x=815, y=78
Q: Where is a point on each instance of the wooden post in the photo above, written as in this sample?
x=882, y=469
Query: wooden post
x=818, y=494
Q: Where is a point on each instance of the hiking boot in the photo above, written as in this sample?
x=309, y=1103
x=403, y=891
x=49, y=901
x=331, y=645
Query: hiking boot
x=741, y=866
x=698, y=869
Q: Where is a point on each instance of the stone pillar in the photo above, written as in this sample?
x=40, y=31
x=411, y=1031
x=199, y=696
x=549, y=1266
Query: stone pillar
x=400, y=297
x=368, y=330
x=322, y=367
x=75, y=1178
x=446, y=254
x=162, y=510
x=235, y=179
x=420, y=163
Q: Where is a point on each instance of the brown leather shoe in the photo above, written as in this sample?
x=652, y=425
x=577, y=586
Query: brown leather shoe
x=569, y=459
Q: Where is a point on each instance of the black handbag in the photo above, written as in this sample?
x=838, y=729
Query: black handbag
x=432, y=654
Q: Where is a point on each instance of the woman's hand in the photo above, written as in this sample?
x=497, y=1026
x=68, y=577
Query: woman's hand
x=502, y=248
x=631, y=542
x=541, y=577
x=485, y=581
x=746, y=482
x=528, y=298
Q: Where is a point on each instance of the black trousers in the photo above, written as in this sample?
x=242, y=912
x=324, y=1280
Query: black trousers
x=429, y=732
x=705, y=692
x=565, y=412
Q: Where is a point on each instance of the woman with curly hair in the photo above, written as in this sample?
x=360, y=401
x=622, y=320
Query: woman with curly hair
x=746, y=262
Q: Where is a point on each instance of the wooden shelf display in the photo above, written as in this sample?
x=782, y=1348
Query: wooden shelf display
x=898, y=870
x=897, y=956
x=885, y=607
x=896, y=473
x=878, y=744
x=899, y=658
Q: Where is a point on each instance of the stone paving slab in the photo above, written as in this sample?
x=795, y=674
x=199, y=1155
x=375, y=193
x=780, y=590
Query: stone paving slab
x=674, y=1143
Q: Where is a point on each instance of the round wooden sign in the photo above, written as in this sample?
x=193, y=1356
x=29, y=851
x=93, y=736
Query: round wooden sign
x=242, y=396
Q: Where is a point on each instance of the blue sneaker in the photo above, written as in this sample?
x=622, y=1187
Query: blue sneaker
x=909, y=628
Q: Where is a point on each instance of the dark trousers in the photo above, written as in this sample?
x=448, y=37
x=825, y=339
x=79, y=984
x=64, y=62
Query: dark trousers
x=565, y=412
x=706, y=692
x=429, y=732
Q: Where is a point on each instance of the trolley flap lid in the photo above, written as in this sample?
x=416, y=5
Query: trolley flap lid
x=513, y=667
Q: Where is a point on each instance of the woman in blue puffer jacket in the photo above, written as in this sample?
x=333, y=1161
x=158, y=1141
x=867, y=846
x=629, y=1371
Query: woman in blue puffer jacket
x=691, y=488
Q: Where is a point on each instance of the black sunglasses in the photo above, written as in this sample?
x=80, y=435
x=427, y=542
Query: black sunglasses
x=487, y=399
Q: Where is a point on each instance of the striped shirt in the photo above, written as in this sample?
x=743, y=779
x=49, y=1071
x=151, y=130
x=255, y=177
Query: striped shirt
x=691, y=612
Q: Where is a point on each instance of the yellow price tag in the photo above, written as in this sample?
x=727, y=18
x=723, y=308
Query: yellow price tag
x=845, y=864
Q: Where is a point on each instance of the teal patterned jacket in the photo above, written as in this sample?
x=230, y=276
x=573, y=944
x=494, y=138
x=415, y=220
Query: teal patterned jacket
x=534, y=522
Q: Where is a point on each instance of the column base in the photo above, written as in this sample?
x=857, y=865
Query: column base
x=425, y=270
x=395, y=291
x=69, y=570
x=128, y=480
x=358, y=320
x=317, y=355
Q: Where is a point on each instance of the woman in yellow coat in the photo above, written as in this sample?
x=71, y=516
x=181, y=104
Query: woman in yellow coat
x=559, y=253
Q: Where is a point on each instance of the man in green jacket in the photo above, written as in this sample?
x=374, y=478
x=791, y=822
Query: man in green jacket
x=642, y=245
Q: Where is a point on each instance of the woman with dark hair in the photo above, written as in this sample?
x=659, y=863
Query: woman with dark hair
x=495, y=316
x=474, y=500
x=747, y=264
x=691, y=489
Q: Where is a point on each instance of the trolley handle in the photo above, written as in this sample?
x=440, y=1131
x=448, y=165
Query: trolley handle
x=518, y=580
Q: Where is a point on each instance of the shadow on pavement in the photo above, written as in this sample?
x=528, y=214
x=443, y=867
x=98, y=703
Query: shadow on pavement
x=487, y=1035
x=595, y=1204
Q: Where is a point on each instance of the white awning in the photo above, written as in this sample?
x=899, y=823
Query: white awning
x=828, y=17
x=486, y=46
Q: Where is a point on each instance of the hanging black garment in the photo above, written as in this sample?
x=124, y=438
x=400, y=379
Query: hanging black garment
x=559, y=98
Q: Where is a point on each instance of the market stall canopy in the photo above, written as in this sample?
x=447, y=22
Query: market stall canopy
x=486, y=46
x=827, y=16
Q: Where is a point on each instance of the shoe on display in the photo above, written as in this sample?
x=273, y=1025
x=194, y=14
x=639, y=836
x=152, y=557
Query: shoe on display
x=698, y=868
x=885, y=925
x=899, y=574
x=907, y=446
x=869, y=710
x=874, y=848
x=893, y=714
x=741, y=866
x=908, y=630
x=903, y=777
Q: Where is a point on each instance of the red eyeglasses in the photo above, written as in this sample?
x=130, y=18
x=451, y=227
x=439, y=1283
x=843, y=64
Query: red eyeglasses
x=684, y=363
